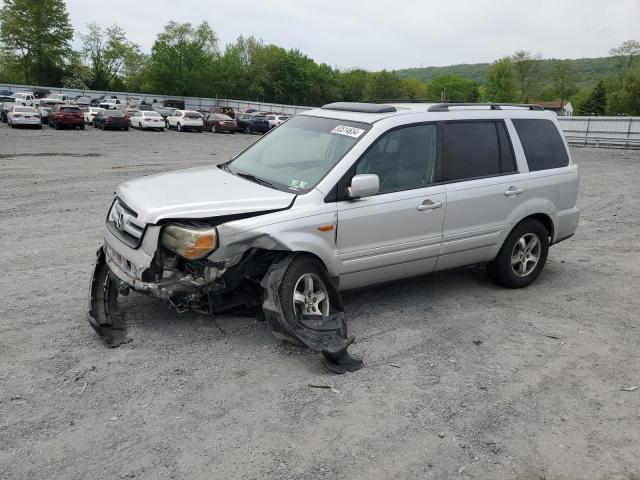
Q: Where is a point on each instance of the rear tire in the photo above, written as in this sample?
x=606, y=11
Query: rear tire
x=179, y=127
x=522, y=256
x=82, y=127
x=102, y=127
x=213, y=129
x=139, y=126
x=56, y=125
x=162, y=129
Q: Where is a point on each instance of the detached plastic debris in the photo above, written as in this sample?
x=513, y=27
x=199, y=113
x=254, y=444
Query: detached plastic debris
x=326, y=334
x=104, y=316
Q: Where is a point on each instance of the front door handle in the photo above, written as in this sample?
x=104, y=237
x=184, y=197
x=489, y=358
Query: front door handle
x=429, y=205
x=513, y=191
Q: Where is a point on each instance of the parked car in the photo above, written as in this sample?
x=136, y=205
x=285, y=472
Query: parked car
x=217, y=122
x=275, y=120
x=41, y=93
x=228, y=111
x=90, y=113
x=163, y=111
x=143, y=120
x=45, y=105
x=111, y=120
x=20, y=116
x=345, y=196
x=64, y=115
x=61, y=97
x=252, y=122
x=6, y=104
x=183, y=120
x=174, y=104
x=108, y=105
x=83, y=100
x=25, y=98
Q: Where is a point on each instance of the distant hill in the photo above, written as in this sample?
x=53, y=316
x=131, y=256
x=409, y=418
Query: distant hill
x=589, y=70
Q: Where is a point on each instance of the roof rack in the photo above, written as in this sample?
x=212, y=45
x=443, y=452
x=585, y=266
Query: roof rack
x=360, y=107
x=444, y=107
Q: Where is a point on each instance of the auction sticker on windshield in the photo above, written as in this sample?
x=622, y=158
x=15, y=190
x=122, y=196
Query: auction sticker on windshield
x=348, y=131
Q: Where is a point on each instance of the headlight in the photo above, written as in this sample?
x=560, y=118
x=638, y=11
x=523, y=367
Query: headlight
x=189, y=242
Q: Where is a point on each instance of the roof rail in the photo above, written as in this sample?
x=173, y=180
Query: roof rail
x=359, y=107
x=444, y=107
x=406, y=100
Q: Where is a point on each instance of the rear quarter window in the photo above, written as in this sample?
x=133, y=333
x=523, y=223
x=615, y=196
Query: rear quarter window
x=542, y=144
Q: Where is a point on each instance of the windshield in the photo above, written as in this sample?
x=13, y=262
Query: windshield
x=298, y=154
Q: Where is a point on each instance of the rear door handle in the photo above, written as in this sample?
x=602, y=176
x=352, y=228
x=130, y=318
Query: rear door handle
x=429, y=205
x=513, y=191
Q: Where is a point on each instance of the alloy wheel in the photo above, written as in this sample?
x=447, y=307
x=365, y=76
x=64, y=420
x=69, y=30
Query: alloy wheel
x=526, y=254
x=310, y=296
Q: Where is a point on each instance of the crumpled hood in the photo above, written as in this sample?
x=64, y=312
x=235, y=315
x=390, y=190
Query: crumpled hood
x=198, y=193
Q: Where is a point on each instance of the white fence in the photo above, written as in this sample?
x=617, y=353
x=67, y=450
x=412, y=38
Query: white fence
x=623, y=132
x=194, y=103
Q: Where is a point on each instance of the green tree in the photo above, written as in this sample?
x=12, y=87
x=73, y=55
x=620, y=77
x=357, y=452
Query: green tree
x=182, y=58
x=564, y=80
x=596, y=102
x=384, y=85
x=527, y=66
x=107, y=51
x=626, y=100
x=354, y=82
x=415, y=89
x=500, y=84
x=452, y=88
x=35, y=36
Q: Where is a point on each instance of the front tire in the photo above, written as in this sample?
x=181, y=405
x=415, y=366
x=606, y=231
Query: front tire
x=522, y=256
x=303, y=290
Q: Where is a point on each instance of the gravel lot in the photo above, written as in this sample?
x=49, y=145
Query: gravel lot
x=462, y=378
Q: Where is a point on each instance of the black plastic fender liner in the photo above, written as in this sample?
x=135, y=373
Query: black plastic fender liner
x=104, y=315
x=326, y=334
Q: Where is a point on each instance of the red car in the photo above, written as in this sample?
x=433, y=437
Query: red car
x=111, y=120
x=217, y=122
x=66, y=116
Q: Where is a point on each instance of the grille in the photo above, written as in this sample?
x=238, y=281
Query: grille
x=123, y=222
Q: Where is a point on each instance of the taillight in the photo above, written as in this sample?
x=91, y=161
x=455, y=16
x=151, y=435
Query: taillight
x=146, y=119
x=37, y=115
x=16, y=115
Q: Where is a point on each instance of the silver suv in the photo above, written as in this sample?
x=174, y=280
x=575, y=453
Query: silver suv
x=341, y=197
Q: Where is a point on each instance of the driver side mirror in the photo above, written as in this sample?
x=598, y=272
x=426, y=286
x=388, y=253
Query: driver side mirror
x=363, y=185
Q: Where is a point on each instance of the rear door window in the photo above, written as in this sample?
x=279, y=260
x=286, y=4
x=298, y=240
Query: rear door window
x=471, y=150
x=542, y=144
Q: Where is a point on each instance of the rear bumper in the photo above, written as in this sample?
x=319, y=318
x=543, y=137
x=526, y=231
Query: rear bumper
x=158, y=124
x=566, y=224
x=113, y=126
x=68, y=121
x=26, y=121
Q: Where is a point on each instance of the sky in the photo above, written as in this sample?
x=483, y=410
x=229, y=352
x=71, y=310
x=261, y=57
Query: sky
x=386, y=34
